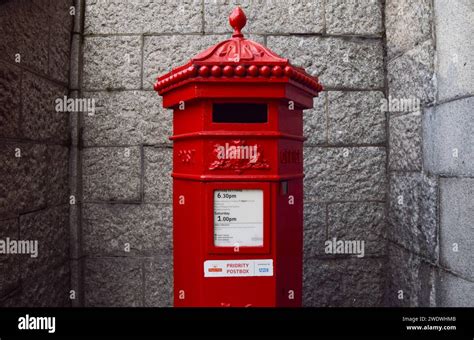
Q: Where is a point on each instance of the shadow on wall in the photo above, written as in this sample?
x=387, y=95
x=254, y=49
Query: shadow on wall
x=34, y=153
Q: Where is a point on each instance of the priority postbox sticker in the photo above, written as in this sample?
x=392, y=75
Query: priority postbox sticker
x=238, y=268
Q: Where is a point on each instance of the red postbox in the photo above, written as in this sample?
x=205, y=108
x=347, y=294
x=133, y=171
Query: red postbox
x=237, y=174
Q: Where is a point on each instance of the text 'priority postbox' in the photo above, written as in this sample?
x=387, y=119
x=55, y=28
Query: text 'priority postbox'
x=237, y=174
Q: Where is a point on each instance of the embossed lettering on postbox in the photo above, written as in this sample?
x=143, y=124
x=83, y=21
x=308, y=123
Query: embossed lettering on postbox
x=238, y=155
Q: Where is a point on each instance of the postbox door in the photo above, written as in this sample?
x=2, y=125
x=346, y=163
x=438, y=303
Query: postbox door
x=239, y=266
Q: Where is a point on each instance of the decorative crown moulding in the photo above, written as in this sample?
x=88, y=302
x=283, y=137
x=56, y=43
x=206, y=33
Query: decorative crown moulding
x=237, y=57
x=236, y=71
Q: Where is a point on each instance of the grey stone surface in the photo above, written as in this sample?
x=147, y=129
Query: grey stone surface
x=159, y=282
x=405, y=142
x=315, y=121
x=352, y=63
x=354, y=17
x=343, y=282
x=118, y=16
x=127, y=118
x=147, y=228
x=315, y=230
x=10, y=279
x=10, y=300
x=59, y=51
x=74, y=123
x=411, y=280
x=58, y=175
x=59, y=11
x=9, y=228
x=454, y=291
x=75, y=236
x=408, y=24
x=111, y=174
x=454, y=48
x=75, y=63
x=79, y=17
x=448, y=138
x=457, y=225
x=76, y=267
x=413, y=213
x=157, y=180
x=40, y=121
x=113, y=282
x=412, y=74
x=162, y=53
x=355, y=118
x=25, y=186
x=112, y=62
x=7, y=43
x=23, y=180
x=345, y=173
x=10, y=97
x=46, y=290
x=364, y=221
x=265, y=17
x=9, y=264
x=24, y=29
x=50, y=227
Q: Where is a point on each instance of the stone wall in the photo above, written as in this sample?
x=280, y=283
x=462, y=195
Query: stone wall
x=379, y=168
x=126, y=155
x=126, y=160
x=34, y=140
x=431, y=235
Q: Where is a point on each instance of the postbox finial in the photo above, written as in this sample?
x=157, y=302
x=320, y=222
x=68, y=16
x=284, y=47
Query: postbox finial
x=237, y=20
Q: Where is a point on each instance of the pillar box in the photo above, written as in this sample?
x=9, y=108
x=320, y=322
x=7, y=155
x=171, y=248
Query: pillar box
x=237, y=174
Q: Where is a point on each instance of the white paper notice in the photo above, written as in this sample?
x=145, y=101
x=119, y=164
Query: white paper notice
x=238, y=218
x=238, y=268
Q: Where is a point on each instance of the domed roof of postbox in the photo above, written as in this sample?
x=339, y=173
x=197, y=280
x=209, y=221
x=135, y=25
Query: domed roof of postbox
x=237, y=58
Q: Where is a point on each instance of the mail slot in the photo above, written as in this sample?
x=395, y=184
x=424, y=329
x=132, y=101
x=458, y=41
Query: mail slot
x=237, y=174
